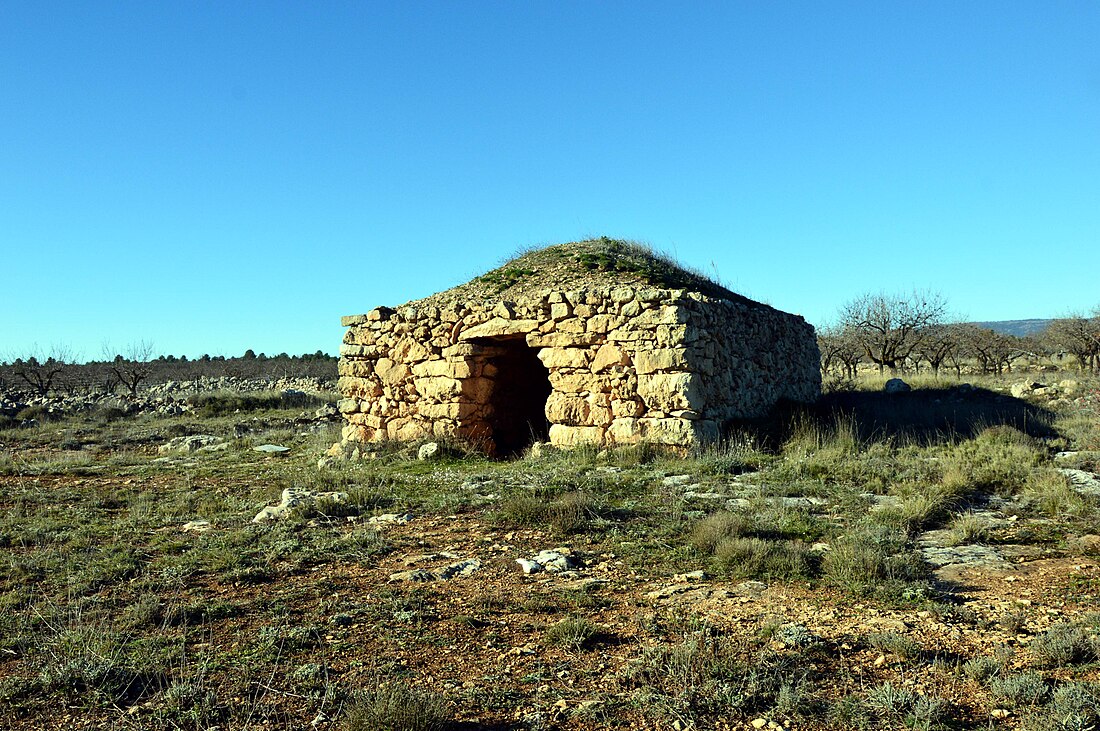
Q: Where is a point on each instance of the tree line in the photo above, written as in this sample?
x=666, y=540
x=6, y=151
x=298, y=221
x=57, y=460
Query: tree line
x=899, y=333
x=59, y=371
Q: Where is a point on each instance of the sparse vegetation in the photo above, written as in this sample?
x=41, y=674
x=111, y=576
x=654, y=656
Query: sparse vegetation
x=810, y=531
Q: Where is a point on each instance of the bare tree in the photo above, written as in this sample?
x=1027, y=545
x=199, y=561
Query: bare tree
x=888, y=328
x=42, y=371
x=840, y=349
x=938, y=344
x=133, y=368
x=994, y=351
x=1079, y=335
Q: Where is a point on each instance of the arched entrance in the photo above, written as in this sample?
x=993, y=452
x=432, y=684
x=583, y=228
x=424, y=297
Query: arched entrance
x=520, y=387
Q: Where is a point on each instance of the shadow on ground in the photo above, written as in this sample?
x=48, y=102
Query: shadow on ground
x=926, y=415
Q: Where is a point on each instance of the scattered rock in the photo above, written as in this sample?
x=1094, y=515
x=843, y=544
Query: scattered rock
x=429, y=452
x=1083, y=482
x=698, y=575
x=193, y=443
x=197, y=526
x=271, y=449
x=896, y=385
x=459, y=568
x=293, y=497
x=391, y=519
x=555, y=561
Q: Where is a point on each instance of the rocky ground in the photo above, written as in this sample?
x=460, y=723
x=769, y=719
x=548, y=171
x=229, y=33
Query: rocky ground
x=825, y=583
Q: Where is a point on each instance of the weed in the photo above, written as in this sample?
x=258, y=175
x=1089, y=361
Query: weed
x=1062, y=644
x=982, y=668
x=391, y=707
x=1019, y=691
x=905, y=648
x=755, y=558
x=573, y=632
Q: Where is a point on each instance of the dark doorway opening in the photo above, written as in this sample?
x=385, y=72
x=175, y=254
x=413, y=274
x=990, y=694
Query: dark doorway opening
x=521, y=386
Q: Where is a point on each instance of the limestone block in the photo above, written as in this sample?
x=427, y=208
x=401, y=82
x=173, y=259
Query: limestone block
x=629, y=334
x=357, y=368
x=609, y=355
x=438, y=388
x=353, y=320
x=664, y=315
x=476, y=390
x=624, y=431
x=567, y=409
x=602, y=323
x=347, y=405
x=504, y=310
x=564, y=340
x=560, y=311
x=361, y=387
x=667, y=335
x=660, y=359
x=379, y=314
x=354, y=350
x=628, y=408
x=355, y=433
x=584, y=311
x=630, y=309
x=449, y=410
x=668, y=391
x=498, y=327
x=677, y=432
x=622, y=294
x=445, y=368
x=374, y=421
x=574, y=382
x=564, y=357
x=391, y=372
x=572, y=436
x=649, y=294
x=408, y=350
x=572, y=325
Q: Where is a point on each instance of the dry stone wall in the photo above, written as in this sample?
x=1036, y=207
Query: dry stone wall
x=624, y=364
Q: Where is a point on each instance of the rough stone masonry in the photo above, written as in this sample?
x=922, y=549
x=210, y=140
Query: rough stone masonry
x=605, y=358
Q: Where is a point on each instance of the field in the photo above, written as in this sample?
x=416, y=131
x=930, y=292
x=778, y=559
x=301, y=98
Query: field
x=925, y=560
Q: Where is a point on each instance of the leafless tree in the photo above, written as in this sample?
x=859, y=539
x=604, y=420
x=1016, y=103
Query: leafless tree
x=1080, y=335
x=42, y=371
x=938, y=344
x=840, y=349
x=133, y=368
x=888, y=327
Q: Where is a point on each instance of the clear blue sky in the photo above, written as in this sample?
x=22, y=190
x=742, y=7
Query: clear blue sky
x=228, y=175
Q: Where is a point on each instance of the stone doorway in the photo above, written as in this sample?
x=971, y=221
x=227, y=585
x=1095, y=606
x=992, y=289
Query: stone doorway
x=521, y=385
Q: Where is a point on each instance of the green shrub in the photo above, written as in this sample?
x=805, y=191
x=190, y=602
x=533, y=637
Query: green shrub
x=1063, y=644
x=573, y=633
x=892, y=643
x=396, y=708
x=755, y=558
x=1019, y=691
x=982, y=668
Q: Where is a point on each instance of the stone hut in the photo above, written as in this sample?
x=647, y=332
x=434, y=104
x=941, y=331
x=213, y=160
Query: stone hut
x=597, y=342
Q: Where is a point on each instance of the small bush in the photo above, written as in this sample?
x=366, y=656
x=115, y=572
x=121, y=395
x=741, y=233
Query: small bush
x=1073, y=707
x=396, y=708
x=982, y=669
x=573, y=633
x=893, y=643
x=754, y=558
x=1050, y=493
x=1019, y=691
x=968, y=529
x=1063, y=644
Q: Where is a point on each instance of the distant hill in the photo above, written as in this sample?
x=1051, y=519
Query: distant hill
x=1019, y=328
